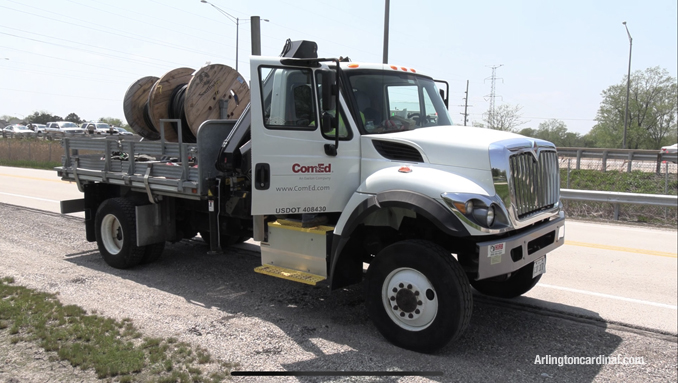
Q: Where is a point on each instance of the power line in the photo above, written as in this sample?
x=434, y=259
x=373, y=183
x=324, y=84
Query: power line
x=135, y=38
x=67, y=60
x=84, y=50
x=60, y=95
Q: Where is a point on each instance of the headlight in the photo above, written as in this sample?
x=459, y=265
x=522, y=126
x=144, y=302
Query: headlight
x=481, y=212
x=469, y=207
x=490, y=216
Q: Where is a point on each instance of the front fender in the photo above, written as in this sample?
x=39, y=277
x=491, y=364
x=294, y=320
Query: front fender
x=362, y=205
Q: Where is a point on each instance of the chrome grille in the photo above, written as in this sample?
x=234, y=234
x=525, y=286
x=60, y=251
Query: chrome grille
x=536, y=184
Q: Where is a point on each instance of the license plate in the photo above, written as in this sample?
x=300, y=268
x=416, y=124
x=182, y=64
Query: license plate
x=539, y=267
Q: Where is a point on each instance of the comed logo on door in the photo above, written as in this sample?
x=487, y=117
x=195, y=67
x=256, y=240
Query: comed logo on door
x=312, y=169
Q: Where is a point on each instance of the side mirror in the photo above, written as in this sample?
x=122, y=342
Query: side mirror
x=329, y=123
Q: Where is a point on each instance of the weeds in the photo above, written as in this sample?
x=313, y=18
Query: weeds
x=90, y=341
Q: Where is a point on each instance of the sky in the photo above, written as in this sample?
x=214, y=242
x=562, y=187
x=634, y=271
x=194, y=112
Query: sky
x=553, y=59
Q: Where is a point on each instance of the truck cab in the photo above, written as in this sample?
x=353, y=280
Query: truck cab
x=425, y=207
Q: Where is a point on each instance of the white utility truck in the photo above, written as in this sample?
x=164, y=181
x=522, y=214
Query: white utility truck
x=417, y=208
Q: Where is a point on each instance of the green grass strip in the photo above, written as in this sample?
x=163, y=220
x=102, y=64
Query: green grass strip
x=89, y=341
x=30, y=164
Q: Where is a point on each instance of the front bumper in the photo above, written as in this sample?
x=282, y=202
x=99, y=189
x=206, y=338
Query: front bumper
x=506, y=255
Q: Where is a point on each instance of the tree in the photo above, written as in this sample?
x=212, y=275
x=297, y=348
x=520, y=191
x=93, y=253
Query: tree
x=111, y=121
x=42, y=117
x=74, y=118
x=505, y=118
x=555, y=131
x=652, y=112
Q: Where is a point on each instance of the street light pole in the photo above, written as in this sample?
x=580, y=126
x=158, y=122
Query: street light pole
x=256, y=35
x=237, y=28
x=628, y=86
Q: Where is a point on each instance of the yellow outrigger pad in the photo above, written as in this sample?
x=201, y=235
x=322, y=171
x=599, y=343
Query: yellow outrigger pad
x=289, y=274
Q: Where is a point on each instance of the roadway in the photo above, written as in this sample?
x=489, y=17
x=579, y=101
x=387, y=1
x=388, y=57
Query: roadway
x=614, y=273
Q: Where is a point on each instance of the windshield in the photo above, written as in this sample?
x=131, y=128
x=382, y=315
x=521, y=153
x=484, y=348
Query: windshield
x=103, y=126
x=68, y=125
x=396, y=101
x=21, y=127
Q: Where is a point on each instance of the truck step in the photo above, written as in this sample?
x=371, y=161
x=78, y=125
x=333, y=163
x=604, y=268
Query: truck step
x=289, y=274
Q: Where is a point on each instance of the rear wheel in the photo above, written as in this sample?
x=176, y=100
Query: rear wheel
x=515, y=285
x=418, y=296
x=116, y=233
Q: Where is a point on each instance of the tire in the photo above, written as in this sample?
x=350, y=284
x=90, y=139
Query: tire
x=516, y=285
x=116, y=233
x=397, y=280
x=153, y=252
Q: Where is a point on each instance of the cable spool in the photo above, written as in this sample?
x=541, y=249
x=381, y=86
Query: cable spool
x=210, y=84
x=161, y=103
x=192, y=98
x=135, y=106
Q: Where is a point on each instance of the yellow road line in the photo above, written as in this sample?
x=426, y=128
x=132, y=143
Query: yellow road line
x=31, y=178
x=625, y=249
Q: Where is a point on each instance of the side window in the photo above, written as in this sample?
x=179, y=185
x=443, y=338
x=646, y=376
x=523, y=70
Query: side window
x=287, y=98
x=330, y=131
x=430, y=117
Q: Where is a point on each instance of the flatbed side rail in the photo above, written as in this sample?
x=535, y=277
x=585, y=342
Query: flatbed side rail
x=128, y=162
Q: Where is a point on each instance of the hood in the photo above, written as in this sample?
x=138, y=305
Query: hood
x=459, y=146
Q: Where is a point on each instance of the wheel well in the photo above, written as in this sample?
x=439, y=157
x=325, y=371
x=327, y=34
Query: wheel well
x=375, y=232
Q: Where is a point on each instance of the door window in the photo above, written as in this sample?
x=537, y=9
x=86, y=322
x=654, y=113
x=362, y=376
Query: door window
x=287, y=98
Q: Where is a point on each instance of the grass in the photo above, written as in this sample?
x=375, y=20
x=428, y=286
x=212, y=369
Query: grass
x=113, y=349
x=633, y=182
x=625, y=182
x=47, y=165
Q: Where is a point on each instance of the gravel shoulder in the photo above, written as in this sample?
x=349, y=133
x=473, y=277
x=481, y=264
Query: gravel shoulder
x=267, y=324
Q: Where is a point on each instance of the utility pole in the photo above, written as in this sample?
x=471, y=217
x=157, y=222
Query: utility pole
x=255, y=23
x=492, y=96
x=466, y=105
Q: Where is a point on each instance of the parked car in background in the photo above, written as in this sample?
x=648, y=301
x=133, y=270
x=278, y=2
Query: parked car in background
x=18, y=131
x=671, y=149
x=121, y=131
x=39, y=129
x=100, y=128
x=60, y=129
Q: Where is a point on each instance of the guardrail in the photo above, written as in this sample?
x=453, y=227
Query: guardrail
x=616, y=198
x=628, y=155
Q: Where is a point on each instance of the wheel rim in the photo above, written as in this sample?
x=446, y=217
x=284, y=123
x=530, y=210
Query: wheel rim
x=111, y=234
x=409, y=299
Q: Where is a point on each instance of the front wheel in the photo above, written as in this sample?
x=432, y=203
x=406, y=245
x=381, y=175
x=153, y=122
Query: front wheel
x=515, y=285
x=116, y=233
x=418, y=296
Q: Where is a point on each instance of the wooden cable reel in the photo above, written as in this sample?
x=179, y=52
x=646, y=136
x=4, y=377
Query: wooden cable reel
x=213, y=92
x=135, y=105
x=160, y=100
x=209, y=85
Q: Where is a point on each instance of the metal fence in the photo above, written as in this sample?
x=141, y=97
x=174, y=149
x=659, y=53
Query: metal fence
x=619, y=159
x=30, y=150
